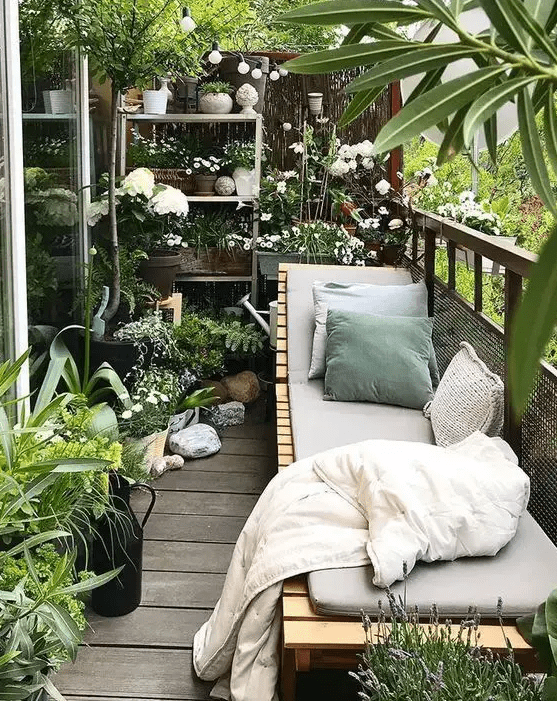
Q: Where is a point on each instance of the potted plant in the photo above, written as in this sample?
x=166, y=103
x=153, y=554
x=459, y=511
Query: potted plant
x=169, y=157
x=205, y=170
x=215, y=98
x=186, y=411
x=309, y=242
x=145, y=40
x=240, y=160
x=151, y=218
x=394, y=243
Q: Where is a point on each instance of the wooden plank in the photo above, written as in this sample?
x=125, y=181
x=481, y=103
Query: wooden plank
x=282, y=391
x=162, y=556
x=298, y=608
x=348, y=635
x=155, y=627
x=197, y=529
x=182, y=589
x=224, y=463
x=245, y=446
x=281, y=372
x=247, y=430
x=199, y=503
x=133, y=673
x=295, y=586
x=200, y=481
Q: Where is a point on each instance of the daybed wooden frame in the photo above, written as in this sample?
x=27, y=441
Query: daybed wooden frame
x=310, y=641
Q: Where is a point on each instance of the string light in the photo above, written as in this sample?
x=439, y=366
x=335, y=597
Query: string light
x=187, y=23
x=283, y=72
x=243, y=66
x=274, y=74
x=257, y=72
x=287, y=126
x=215, y=56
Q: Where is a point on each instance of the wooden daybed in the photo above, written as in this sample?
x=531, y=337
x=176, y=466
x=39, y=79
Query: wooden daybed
x=310, y=640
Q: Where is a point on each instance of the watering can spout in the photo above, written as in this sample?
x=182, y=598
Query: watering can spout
x=244, y=302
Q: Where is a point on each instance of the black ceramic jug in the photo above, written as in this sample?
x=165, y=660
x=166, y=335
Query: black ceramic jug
x=119, y=543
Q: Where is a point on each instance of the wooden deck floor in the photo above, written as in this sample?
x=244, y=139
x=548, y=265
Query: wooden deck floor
x=199, y=513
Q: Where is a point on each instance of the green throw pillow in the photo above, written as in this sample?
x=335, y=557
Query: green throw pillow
x=378, y=359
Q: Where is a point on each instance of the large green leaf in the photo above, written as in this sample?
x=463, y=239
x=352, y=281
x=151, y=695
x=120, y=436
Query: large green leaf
x=540, y=9
x=33, y=541
x=428, y=82
x=432, y=107
x=550, y=127
x=453, y=140
x=9, y=372
x=106, y=373
x=350, y=12
x=348, y=56
x=382, y=31
x=438, y=10
x=532, y=150
x=421, y=60
x=502, y=19
x=533, y=325
x=357, y=33
x=90, y=583
x=487, y=105
x=358, y=104
x=536, y=33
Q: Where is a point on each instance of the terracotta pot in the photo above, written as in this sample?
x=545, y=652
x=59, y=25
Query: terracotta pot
x=160, y=269
x=205, y=184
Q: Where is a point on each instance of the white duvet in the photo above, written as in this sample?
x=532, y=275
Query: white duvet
x=391, y=502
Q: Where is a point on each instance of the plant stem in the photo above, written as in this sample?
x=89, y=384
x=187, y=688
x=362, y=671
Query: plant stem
x=114, y=302
x=87, y=349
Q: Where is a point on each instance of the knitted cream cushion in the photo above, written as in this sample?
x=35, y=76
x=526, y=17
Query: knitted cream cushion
x=469, y=398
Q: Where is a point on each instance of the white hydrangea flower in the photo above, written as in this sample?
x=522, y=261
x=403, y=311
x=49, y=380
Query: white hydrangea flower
x=368, y=163
x=339, y=168
x=383, y=187
x=365, y=148
x=266, y=217
x=169, y=200
x=140, y=181
x=96, y=211
x=281, y=187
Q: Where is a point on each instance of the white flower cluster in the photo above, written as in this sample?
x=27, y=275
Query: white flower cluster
x=239, y=241
x=144, y=396
x=169, y=200
x=472, y=213
x=349, y=158
x=208, y=165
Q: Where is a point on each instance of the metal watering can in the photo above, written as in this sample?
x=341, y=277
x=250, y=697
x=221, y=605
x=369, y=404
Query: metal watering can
x=119, y=543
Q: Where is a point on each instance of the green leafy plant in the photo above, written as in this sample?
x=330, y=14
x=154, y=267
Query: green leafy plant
x=239, y=155
x=216, y=86
x=540, y=630
x=515, y=60
x=215, y=229
x=204, y=397
x=406, y=660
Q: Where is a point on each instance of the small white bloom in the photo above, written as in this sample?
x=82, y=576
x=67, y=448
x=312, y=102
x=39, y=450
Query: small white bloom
x=382, y=187
x=127, y=414
x=432, y=181
x=383, y=211
x=137, y=407
x=297, y=147
x=281, y=187
x=266, y=217
x=152, y=399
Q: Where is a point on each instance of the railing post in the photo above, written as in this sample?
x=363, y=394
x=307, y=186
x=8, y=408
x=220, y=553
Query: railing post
x=478, y=283
x=451, y=258
x=429, y=267
x=513, y=294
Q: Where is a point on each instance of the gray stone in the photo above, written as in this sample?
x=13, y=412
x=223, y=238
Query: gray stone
x=197, y=441
x=243, y=387
x=229, y=414
x=161, y=465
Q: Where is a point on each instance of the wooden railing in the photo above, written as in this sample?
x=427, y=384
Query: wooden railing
x=517, y=263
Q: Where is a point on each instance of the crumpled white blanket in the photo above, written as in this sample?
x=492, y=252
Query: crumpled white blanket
x=388, y=501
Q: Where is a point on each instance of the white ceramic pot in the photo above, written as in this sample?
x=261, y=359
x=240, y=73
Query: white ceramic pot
x=244, y=180
x=215, y=103
x=315, y=102
x=154, y=101
x=464, y=255
x=61, y=102
x=189, y=417
x=46, y=100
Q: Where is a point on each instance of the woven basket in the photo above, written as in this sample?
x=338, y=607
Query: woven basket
x=215, y=261
x=175, y=177
x=154, y=445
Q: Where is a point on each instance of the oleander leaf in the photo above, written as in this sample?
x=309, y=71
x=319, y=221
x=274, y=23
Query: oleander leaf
x=550, y=128
x=434, y=106
x=490, y=132
x=453, y=140
x=503, y=20
x=533, y=325
x=358, y=104
x=347, y=56
x=428, y=82
x=540, y=9
x=487, y=105
x=417, y=60
x=356, y=34
x=351, y=12
x=536, y=33
x=532, y=150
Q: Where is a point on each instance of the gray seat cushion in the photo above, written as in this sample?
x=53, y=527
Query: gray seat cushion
x=318, y=425
x=522, y=573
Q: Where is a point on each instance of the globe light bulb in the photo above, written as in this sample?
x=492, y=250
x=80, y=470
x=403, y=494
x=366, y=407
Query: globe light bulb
x=274, y=74
x=283, y=72
x=243, y=66
x=215, y=56
x=287, y=126
x=257, y=72
x=187, y=23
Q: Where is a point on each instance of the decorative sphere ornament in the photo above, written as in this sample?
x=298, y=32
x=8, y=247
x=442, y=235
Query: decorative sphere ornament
x=274, y=75
x=225, y=186
x=247, y=96
x=257, y=72
x=283, y=72
x=287, y=126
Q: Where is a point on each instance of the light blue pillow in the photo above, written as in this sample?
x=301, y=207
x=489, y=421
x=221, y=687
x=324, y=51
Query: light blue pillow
x=378, y=359
x=365, y=298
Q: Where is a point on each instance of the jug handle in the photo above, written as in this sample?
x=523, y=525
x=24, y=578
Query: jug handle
x=148, y=487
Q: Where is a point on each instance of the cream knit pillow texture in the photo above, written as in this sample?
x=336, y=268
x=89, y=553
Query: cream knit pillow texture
x=469, y=398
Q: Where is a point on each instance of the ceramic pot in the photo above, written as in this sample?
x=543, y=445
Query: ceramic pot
x=46, y=100
x=160, y=269
x=154, y=101
x=164, y=88
x=315, y=102
x=61, y=101
x=187, y=418
x=215, y=103
x=244, y=180
x=205, y=184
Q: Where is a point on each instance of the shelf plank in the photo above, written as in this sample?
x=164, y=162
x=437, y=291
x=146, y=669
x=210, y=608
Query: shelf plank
x=213, y=278
x=199, y=118
x=220, y=198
